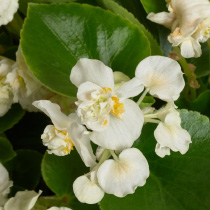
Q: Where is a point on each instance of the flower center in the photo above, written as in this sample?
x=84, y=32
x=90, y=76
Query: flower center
x=69, y=145
x=117, y=108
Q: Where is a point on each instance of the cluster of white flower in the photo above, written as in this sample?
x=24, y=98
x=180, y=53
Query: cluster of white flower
x=189, y=22
x=19, y=85
x=106, y=116
x=23, y=200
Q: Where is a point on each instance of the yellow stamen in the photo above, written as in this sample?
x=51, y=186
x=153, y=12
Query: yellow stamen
x=105, y=122
x=118, y=108
x=107, y=89
x=21, y=81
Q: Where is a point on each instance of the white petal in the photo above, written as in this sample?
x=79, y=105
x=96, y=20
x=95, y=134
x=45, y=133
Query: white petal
x=130, y=89
x=170, y=134
x=82, y=144
x=85, y=90
x=164, y=18
x=93, y=71
x=87, y=191
x=23, y=200
x=52, y=110
x=119, y=79
x=121, y=133
x=191, y=48
x=5, y=184
x=7, y=10
x=163, y=77
x=123, y=176
x=162, y=151
x=59, y=208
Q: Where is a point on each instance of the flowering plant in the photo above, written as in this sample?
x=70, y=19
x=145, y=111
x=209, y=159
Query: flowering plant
x=103, y=104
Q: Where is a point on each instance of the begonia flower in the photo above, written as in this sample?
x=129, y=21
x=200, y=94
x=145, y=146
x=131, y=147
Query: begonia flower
x=59, y=208
x=161, y=76
x=189, y=21
x=66, y=133
x=23, y=200
x=116, y=121
x=87, y=190
x=5, y=184
x=124, y=174
x=7, y=10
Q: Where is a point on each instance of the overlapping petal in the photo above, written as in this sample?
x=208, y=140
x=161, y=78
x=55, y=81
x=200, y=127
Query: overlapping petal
x=121, y=133
x=123, y=176
x=23, y=200
x=87, y=191
x=93, y=71
x=52, y=110
x=162, y=76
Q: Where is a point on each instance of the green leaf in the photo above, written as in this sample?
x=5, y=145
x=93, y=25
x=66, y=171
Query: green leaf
x=154, y=5
x=6, y=150
x=147, y=102
x=11, y=117
x=59, y=174
x=176, y=181
x=117, y=9
x=25, y=169
x=201, y=104
x=23, y=4
x=54, y=37
x=202, y=63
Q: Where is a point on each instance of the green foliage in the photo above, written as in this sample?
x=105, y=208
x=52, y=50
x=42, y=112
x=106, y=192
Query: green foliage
x=59, y=174
x=12, y=117
x=54, y=37
x=117, y=9
x=25, y=169
x=6, y=150
x=154, y=5
x=176, y=181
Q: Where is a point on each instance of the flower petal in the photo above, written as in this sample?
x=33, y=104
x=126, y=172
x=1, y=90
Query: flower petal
x=164, y=18
x=23, y=200
x=85, y=90
x=59, y=208
x=87, y=191
x=93, y=71
x=121, y=133
x=53, y=111
x=123, y=176
x=191, y=48
x=170, y=134
x=130, y=89
x=82, y=144
x=163, y=77
x=162, y=151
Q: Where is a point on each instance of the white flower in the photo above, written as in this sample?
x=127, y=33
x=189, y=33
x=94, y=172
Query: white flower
x=170, y=135
x=25, y=87
x=115, y=120
x=87, y=189
x=66, y=133
x=23, y=200
x=59, y=208
x=189, y=23
x=7, y=10
x=161, y=76
x=5, y=184
x=124, y=174
x=6, y=96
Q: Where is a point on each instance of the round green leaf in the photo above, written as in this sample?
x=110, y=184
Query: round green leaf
x=11, y=117
x=54, y=37
x=6, y=150
x=154, y=5
x=25, y=169
x=176, y=181
x=59, y=173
